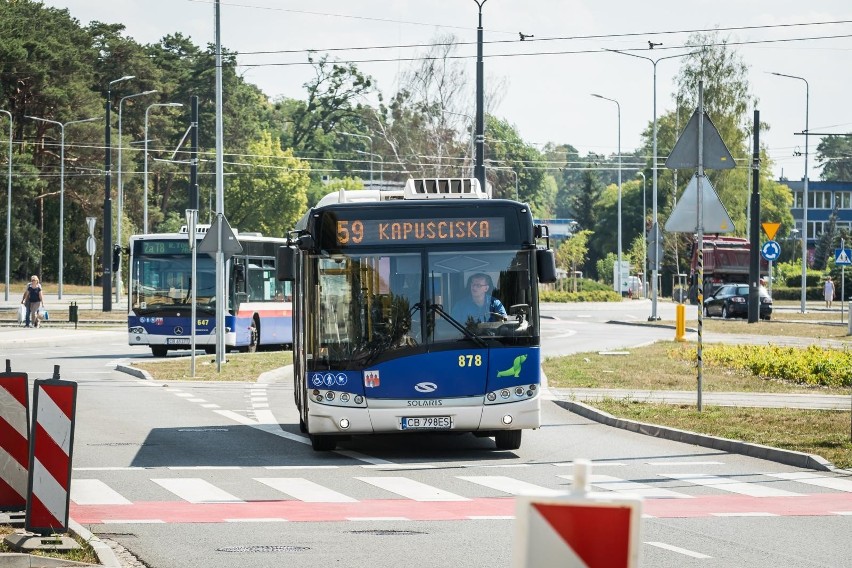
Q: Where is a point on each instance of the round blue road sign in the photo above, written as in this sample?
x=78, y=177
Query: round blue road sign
x=770, y=251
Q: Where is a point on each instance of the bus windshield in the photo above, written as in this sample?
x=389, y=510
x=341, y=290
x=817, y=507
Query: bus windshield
x=164, y=281
x=386, y=304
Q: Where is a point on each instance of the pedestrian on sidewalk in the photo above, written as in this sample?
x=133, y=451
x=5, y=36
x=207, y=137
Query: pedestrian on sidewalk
x=33, y=299
x=828, y=291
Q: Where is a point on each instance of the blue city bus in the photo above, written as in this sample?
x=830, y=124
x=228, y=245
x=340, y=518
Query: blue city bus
x=259, y=306
x=379, y=345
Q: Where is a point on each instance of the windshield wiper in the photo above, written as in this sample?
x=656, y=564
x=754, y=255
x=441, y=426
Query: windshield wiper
x=455, y=323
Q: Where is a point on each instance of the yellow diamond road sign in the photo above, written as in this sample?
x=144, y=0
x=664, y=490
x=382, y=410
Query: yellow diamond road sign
x=770, y=229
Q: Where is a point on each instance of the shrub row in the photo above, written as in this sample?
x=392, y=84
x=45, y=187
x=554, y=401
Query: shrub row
x=590, y=296
x=795, y=293
x=811, y=366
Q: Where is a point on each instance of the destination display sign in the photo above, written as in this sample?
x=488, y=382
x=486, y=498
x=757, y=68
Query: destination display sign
x=180, y=246
x=371, y=232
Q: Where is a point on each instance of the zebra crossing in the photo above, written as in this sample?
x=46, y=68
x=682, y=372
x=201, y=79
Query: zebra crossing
x=444, y=497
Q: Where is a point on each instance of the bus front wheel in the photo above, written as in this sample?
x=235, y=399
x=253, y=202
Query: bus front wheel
x=323, y=443
x=508, y=439
x=159, y=350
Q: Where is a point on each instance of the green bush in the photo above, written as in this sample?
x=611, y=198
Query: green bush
x=605, y=295
x=795, y=280
x=811, y=366
x=795, y=293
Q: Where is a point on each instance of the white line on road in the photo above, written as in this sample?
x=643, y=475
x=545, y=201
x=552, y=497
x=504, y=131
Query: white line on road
x=644, y=490
x=728, y=484
x=95, y=492
x=412, y=489
x=511, y=486
x=305, y=490
x=679, y=550
x=195, y=490
x=814, y=479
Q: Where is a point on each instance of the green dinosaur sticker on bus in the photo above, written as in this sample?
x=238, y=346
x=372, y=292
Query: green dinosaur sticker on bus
x=515, y=369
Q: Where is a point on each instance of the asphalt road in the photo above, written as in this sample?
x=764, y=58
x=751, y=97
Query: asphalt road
x=217, y=474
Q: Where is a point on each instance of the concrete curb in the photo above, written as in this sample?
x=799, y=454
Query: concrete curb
x=787, y=457
x=106, y=556
x=138, y=373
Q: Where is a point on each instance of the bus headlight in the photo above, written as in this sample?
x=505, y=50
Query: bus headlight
x=491, y=396
x=344, y=423
x=507, y=419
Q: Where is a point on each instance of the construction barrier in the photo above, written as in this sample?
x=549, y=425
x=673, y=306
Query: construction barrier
x=14, y=440
x=49, y=483
x=579, y=530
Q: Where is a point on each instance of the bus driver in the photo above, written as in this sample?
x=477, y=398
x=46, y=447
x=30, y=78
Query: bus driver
x=479, y=305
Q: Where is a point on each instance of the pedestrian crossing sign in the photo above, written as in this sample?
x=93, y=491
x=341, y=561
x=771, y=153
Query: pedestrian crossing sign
x=843, y=256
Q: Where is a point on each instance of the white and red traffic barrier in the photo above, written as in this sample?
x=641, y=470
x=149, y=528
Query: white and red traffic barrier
x=14, y=440
x=579, y=530
x=49, y=484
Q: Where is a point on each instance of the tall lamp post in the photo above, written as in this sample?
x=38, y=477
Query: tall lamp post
x=8, y=204
x=804, y=192
x=107, y=234
x=479, y=163
x=618, y=106
x=145, y=175
x=381, y=162
x=61, y=186
x=118, y=283
x=370, y=140
x=644, y=236
x=654, y=226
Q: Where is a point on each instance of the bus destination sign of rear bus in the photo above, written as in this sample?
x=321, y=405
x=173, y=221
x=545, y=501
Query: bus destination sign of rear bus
x=413, y=231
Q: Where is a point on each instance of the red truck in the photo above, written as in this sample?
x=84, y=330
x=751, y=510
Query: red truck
x=726, y=261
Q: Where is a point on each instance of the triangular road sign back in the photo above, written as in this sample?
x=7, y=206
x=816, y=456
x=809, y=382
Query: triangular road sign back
x=210, y=243
x=684, y=218
x=685, y=153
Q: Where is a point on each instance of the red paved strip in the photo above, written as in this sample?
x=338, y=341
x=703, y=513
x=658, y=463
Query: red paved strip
x=820, y=504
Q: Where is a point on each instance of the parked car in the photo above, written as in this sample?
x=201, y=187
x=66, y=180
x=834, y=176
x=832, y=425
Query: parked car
x=731, y=300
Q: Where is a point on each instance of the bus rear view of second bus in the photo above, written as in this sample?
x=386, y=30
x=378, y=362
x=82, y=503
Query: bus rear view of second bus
x=417, y=311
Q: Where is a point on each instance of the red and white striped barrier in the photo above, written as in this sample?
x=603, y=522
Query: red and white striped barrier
x=579, y=530
x=14, y=440
x=49, y=485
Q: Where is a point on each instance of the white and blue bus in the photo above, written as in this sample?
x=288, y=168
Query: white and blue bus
x=417, y=310
x=259, y=306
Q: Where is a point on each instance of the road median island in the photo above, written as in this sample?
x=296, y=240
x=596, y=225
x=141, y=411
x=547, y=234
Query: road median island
x=669, y=366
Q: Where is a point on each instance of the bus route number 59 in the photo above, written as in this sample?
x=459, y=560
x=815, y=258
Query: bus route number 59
x=350, y=231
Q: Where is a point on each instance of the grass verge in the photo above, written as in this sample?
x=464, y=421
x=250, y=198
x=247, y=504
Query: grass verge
x=85, y=554
x=670, y=366
x=821, y=432
x=237, y=366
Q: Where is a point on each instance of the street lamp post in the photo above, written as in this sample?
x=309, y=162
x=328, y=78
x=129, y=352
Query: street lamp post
x=145, y=175
x=618, y=106
x=644, y=236
x=8, y=204
x=118, y=283
x=479, y=163
x=804, y=192
x=381, y=162
x=107, y=234
x=61, y=187
x=654, y=226
x=370, y=140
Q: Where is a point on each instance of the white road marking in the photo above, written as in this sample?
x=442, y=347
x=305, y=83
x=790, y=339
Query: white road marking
x=95, y=492
x=132, y=522
x=683, y=463
x=195, y=490
x=644, y=490
x=744, y=514
x=814, y=479
x=412, y=489
x=377, y=518
x=510, y=485
x=679, y=550
x=258, y=520
x=730, y=485
x=305, y=490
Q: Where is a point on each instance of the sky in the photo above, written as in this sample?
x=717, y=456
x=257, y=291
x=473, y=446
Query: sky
x=548, y=79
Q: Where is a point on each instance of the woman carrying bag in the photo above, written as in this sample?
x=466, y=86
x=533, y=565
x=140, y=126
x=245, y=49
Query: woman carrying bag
x=33, y=300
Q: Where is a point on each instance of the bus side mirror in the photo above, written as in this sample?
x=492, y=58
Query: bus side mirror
x=286, y=265
x=546, y=261
x=116, y=257
x=239, y=273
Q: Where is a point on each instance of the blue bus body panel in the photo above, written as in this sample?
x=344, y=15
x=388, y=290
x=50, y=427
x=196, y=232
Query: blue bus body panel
x=442, y=374
x=170, y=325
